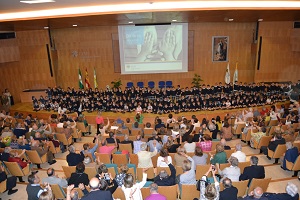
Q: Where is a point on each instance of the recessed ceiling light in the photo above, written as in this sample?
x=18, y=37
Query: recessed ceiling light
x=131, y=22
x=46, y=27
x=230, y=19
x=174, y=20
x=74, y=25
x=37, y=1
x=260, y=20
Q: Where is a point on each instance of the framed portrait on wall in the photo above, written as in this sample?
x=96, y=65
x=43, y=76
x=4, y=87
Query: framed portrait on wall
x=220, y=48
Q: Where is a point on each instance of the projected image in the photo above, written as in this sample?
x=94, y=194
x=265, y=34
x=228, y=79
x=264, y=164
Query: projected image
x=220, y=48
x=145, y=46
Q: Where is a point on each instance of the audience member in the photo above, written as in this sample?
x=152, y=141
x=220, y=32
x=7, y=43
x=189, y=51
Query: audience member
x=163, y=178
x=220, y=156
x=54, y=179
x=233, y=172
x=253, y=171
x=241, y=156
x=144, y=156
x=154, y=195
x=74, y=158
x=79, y=176
x=229, y=192
x=199, y=158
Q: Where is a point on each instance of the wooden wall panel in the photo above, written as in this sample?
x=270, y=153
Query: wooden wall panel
x=279, y=58
x=9, y=51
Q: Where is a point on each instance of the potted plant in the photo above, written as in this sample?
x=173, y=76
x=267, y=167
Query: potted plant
x=116, y=83
x=197, y=81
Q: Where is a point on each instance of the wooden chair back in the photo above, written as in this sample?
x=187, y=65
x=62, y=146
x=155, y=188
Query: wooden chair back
x=201, y=170
x=119, y=194
x=241, y=186
x=68, y=170
x=273, y=123
x=159, y=169
x=293, y=166
x=263, y=183
x=145, y=192
x=264, y=141
x=154, y=159
x=62, y=138
x=229, y=152
x=120, y=159
x=242, y=165
x=173, y=157
x=80, y=126
x=54, y=149
x=297, y=144
x=224, y=165
x=135, y=132
x=279, y=151
x=15, y=169
x=91, y=172
x=214, y=145
x=132, y=137
x=58, y=192
x=103, y=157
x=134, y=159
x=35, y=158
x=59, y=130
x=179, y=170
x=148, y=131
x=3, y=186
x=19, y=152
x=189, y=192
x=76, y=133
x=126, y=147
x=150, y=173
x=170, y=192
x=238, y=129
x=112, y=171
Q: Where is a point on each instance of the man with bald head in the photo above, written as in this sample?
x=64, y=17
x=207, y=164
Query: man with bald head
x=256, y=194
x=96, y=193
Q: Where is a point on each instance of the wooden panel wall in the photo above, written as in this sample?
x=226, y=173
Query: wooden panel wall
x=32, y=71
x=279, y=58
x=9, y=51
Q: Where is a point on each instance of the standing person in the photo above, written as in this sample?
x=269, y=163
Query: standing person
x=9, y=97
x=99, y=120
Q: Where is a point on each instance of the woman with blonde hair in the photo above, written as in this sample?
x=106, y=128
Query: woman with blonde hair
x=220, y=156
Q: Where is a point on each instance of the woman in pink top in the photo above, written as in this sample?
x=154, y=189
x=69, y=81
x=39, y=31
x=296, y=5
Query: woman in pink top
x=99, y=120
x=206, y=144
x=107, y=149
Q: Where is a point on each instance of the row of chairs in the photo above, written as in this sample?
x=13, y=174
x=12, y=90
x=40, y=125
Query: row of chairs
x=151, y=84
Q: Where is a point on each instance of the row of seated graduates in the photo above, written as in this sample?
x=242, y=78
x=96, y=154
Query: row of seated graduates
x=162, y=100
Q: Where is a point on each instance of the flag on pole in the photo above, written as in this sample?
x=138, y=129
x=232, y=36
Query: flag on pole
x=95, y=79
x=87, y=82
x=80, y=80
x=227, y=75
x=235, y=75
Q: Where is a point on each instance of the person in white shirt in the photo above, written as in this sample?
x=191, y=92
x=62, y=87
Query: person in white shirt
x=161, y=159
x=241, y=156
x=137, y=144
x=133, y=191
x=189, y=145
x=144, y=156
x=247, y=114
x=233, y=172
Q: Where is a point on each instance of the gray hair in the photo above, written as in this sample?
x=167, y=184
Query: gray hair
x=153, y=187
x=238, y=147
x=74, y=195
x=291, y=189
x=258, y=192
x=233, y=161
x=126, y=137
x=72, y=149
x=288, y=145
x=163, y=174
x=254, y=160
x=143, y=146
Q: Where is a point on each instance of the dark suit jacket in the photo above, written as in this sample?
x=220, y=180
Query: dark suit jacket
x=280, y=196
x=273, y=144
x=77, y=178
x=166, y=181
x=229, y=193
x=251, y=172
x=99, y=194
x=74, y=158
x=112, y=140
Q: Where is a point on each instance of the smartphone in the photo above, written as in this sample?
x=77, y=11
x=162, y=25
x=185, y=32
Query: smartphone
x=213, y=168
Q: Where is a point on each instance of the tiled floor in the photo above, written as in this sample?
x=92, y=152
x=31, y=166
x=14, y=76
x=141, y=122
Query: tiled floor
x=279, y=177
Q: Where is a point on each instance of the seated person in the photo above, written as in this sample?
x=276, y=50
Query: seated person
x=220, y=156
x=199, y=158
x=229, y=192
x=233, y=172
x=79, y=176
x=290, y=155
x=211, y=191
x=74, y=158
x=127, y=141
x=163, y=178
x=291, y=193
x=88, y=150
x=253, y=171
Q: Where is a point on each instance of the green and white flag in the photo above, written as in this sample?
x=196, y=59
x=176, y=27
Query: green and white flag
x=80, y=80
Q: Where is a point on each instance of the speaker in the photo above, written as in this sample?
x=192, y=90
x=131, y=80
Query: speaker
x=296, y=24
x=8, y=35
x=49, y=59
x=259, y=52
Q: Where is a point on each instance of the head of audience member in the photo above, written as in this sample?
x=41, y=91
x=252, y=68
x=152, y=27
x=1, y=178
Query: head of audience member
x=159, y=121
x=227, y=183
x=127, y=120
x=148, y=125
x=126, y=137
x=37, y=135
x=196, y=121
x=128, y=181
x=164, y=153
x=238, y=147
x=136, y=125
x=103, y=184
x=190, y=140
x=254, y=160
x=153, y=188
x=86, y=146
x=206, y=137
x=198, y=151
x=103, y=142
x=102, y=169
x=123, y=169
x=219, y=148
x=186, y=165
x=218, y=119
x=72, y=149
x=111, y=134
x=180, y=151
x=35, y=126
x=291, y=189
x=288, y=145
x=80, y=167
x=223, y=142
x=210, y=191
x=278, y=135
x=35, y=143
x=46, y=195
x=226, y=124
x=257, y=192
x=94, y=184
x=33, y=178
x=138, y=137
x=233, y=161
x=50, y=172
x=144, y=146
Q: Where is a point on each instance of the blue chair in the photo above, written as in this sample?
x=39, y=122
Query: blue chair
x=169, y=84
x=151, y=84
x=129, y=84
x=161, y=84
x=140, y=84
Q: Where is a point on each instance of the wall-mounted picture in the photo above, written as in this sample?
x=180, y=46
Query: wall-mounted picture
x=220, y=48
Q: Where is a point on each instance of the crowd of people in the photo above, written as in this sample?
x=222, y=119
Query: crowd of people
x=164, y=100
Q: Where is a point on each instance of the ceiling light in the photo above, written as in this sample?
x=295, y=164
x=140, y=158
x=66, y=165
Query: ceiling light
x=74, y=25
x=174, y=20
x=260, y=20
x=37, y=1
x=131, y=22
x=46, y=27
x=230, y=19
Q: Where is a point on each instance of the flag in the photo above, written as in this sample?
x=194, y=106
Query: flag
x=80, y=80
x=227, y=75
x=87, y=82
x=95, y=79
x=235, y=75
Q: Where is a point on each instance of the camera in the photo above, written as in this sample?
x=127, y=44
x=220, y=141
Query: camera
x=106, y=176
x=213, y=168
